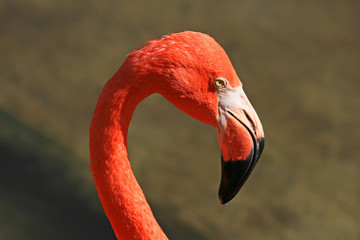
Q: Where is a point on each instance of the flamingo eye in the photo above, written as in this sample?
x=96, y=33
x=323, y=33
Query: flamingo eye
x=220, y=82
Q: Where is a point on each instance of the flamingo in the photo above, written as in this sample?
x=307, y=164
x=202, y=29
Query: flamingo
x=192, y=71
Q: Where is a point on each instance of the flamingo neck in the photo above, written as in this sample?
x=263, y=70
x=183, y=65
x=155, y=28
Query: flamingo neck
x=119, y=192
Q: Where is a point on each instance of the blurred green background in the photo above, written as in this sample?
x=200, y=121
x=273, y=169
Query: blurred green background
x=298, y=60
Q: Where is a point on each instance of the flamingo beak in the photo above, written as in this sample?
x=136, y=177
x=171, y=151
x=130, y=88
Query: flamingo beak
x=241, y=138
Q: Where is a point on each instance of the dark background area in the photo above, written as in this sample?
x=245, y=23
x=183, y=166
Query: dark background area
x=298, y=60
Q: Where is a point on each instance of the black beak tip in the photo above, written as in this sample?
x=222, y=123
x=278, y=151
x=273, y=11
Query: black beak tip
x=224, y=199
x=234, y=175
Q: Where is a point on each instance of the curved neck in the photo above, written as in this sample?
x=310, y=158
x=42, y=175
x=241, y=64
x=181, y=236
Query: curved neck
x=120, y=194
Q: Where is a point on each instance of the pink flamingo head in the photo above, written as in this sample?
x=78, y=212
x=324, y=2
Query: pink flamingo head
x=193, y=72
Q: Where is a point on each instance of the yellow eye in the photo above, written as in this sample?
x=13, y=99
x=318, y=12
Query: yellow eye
x=220, y=82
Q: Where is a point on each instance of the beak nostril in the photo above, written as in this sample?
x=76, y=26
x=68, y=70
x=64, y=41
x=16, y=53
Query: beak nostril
x=250, y=120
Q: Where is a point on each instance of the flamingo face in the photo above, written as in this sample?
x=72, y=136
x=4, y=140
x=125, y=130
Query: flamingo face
x=239, y=130
x=240, y=136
